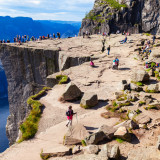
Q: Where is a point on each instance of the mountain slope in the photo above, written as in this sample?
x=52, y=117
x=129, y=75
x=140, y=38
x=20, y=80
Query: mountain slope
x=130, y=15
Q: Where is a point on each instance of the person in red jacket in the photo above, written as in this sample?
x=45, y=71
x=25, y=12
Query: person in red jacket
x=69, y=115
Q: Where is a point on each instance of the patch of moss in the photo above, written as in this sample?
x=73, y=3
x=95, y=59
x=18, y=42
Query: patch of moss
x=30, y=126
x=83, y=143
x=153, y=64
x=151, y=107
x=150, y=91
x=62, y=79
x=114, y=4
x=142, y=102
x=147, y=34
x=138, y=83
x=147, y=70
x=138, y=111
x=114, y=103
x=125, y=104
x=85, y=106
x=119, y=140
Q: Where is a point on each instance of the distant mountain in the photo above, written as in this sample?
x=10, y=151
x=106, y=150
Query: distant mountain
x=10, y=27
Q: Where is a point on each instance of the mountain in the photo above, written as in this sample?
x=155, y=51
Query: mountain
x=135, y=16
x=27, y=26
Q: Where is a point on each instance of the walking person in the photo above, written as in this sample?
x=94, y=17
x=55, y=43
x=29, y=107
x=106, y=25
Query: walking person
x=69, y=115
x=108, y=49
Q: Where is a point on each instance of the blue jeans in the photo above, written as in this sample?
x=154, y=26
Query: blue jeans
x=108, y=52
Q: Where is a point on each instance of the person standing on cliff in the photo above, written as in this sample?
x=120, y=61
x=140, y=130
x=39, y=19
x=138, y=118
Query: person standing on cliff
x=69, y=115
x=108, y=49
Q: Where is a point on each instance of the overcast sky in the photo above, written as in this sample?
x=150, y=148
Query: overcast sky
x=68, y=10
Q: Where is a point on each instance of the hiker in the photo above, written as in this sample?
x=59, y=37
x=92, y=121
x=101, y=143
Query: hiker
x=69, y=115
x=108, y=49
x=91, y=64
x=54, y=36
x=58, y=35
x=154, y=38
x=117, y=61
x=83, y=34
x=114, y=65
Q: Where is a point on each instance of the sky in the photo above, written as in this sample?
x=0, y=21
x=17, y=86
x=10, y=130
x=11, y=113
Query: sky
x=67, y=10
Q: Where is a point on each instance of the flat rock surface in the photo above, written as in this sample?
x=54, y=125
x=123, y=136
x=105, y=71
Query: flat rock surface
x=101, y=80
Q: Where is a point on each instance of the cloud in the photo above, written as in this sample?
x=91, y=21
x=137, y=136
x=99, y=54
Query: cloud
x=47, y=9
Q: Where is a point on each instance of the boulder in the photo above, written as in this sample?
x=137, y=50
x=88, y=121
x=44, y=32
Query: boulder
x=89, y=100
x=95, y=138
x=140, y=76
x=123, y=85
x=153, y=87
x=75, y=134
x=123, y=134
x=148, y=99
x=76, y=149
x=89, y=157
x=91, y=149
x=112, y=151
x=158, y=143
x=136, y=88
x=72, y=92
x=108, y=131
x=142, y=119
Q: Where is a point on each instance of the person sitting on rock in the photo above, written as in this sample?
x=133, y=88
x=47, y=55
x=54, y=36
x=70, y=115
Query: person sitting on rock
x=91, y=64
x=69, y=115
x=117, y=61
x=114, y=66
x=124, y=41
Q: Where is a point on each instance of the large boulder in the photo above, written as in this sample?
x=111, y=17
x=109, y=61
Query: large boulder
x=140, y=76
x=91, y=149
x=112, y=151
x=123, y=134
x=142, y=119
x=89, y=100
x=72, y=92
x=135, y=87
x=153, y=88
x=95, y=138
x=75, y=134
x=108, y=131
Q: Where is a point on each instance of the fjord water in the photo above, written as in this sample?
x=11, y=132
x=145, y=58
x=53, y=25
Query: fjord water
x=4, y=110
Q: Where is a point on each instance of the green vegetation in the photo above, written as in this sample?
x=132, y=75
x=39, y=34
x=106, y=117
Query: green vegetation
x=62, y=79
x=138, y=111
x=153, y=64
x=135, y=58
x=46, y=157
x=30, y=126
x=138, y=83
x=85, y=106
x=83, y=143
x=147, y=70
x=114, y=4
x=112, y=108
x=151, y=107
x=147, y=34
x=119, y=140
x=125, y=104
x=142, y=103
x=150, y=91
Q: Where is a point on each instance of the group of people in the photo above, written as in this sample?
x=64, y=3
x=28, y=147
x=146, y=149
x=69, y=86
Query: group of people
x=25, y=38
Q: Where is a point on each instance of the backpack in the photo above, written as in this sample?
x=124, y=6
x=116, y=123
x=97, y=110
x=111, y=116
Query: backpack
x=68, y=113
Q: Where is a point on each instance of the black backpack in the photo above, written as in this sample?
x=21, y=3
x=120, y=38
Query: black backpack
x=68, y=113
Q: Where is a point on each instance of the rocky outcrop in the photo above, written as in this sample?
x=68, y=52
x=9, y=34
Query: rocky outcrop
x=26, y=69
x=130, y=15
